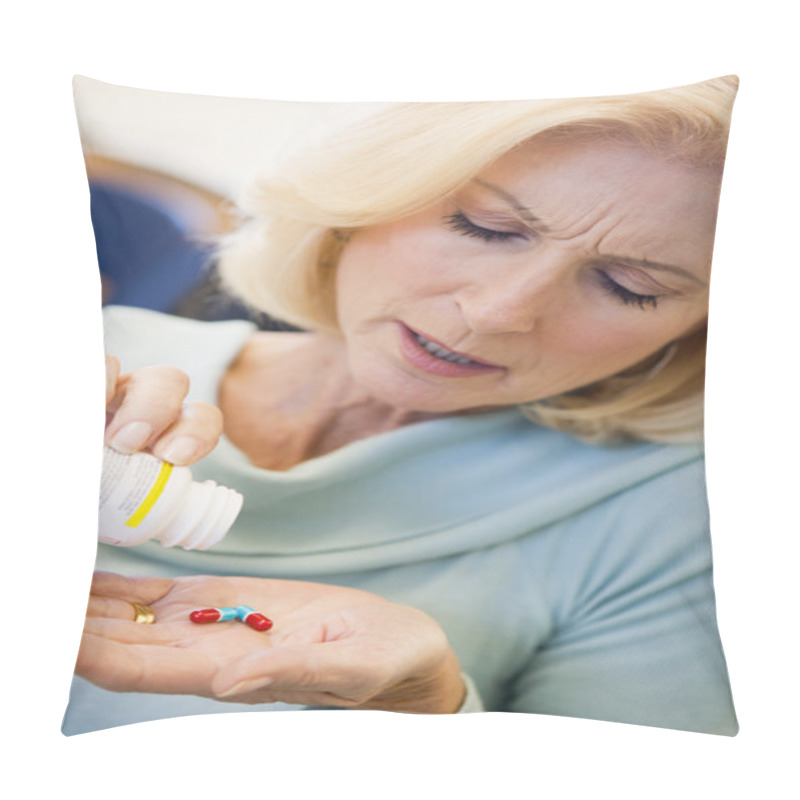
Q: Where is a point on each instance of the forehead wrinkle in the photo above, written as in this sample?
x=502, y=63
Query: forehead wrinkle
x=532, y=220
x=606, y=235
x=595, y=217
x=535, y=221
x=642, y=261
x=525, y=213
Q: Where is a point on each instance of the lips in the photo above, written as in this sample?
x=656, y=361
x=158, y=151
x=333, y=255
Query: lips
x=429, y=355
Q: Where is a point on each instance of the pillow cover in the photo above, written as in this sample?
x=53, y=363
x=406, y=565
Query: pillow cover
x=459, y=350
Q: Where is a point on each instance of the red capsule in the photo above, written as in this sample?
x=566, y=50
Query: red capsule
x=252, y=618
x=203, y=615
x=258, y=621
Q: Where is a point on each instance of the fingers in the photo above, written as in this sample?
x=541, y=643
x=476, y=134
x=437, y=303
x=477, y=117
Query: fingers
x=110, y=607
x=194, y=435
x=124, y=590
x=126, y=631
x=112, y=376
x=147, y=410
x=151, y=667
x=99, y=661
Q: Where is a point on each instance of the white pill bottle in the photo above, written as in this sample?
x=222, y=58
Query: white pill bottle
x=142, y=498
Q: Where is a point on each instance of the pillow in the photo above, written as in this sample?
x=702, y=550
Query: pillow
x=459, y=351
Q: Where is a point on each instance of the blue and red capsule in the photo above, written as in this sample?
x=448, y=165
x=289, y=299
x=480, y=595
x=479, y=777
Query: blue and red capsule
x=246, y=614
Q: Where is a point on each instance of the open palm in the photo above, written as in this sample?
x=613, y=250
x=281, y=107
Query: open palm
x=330, y=645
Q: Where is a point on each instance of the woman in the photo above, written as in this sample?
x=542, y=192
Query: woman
x=459, y=270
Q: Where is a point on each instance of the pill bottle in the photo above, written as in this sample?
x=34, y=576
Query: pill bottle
x=142, y=497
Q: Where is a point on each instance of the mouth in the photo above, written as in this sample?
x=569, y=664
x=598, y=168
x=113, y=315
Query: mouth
x=433, y=357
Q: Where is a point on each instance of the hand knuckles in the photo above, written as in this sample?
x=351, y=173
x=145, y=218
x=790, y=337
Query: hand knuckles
x=204, y=412
x=165, y=374
x=155, y=380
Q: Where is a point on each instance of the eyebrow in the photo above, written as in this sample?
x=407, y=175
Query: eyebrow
x=655, y=265
x=527, y=215
x=531, y=219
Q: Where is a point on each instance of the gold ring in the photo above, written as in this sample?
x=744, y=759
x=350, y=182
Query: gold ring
x=143, y=614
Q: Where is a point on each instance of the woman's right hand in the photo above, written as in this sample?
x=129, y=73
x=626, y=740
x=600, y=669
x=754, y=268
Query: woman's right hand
x=146, y=410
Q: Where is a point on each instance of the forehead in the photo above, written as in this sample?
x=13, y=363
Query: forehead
x=613, y=193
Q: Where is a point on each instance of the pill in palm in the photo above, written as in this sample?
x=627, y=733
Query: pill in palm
x=252, y=618
x=203, y=615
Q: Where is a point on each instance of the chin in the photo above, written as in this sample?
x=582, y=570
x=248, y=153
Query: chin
x=401, y=388
x=408, y=394
x=419, y=402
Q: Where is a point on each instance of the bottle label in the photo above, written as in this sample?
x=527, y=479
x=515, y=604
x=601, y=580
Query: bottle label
x=144, y=480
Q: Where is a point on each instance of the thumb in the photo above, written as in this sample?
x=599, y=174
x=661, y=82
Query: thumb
x=112, y=376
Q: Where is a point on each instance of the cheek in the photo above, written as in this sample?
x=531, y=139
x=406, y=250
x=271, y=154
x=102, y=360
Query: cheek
x=619, y=340
x=604, y=349
x=384, y=266
x=358, y=274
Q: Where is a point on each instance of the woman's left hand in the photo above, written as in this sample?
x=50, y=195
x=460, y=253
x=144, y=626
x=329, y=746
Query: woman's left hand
x=330, y=645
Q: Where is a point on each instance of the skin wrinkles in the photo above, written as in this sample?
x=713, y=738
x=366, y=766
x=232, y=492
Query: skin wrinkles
x=653, y=265
x=544, y=305
x=537, y=225
x=525, y=214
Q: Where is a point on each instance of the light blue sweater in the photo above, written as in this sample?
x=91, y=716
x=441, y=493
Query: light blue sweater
x=570, y=579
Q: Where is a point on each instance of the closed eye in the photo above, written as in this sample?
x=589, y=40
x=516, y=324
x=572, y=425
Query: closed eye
x=626, y=296
x=461, y=224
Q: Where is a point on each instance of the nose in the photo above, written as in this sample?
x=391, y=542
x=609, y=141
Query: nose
x=510, y=301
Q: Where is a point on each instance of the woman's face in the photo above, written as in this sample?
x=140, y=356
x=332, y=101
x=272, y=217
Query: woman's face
x=562, y=264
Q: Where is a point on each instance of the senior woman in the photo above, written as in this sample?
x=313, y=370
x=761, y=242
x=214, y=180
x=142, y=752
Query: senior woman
x=474, y=478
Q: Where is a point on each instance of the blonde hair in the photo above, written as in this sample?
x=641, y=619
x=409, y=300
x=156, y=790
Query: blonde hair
x=410, y=156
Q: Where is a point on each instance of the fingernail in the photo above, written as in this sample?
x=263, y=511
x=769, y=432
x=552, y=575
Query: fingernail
x=132, y=437
x=180, y=450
